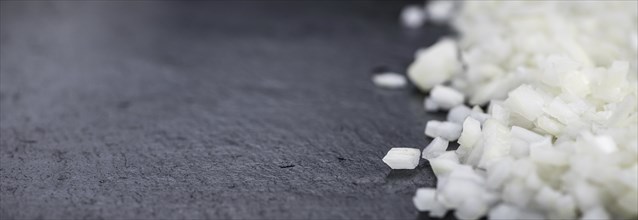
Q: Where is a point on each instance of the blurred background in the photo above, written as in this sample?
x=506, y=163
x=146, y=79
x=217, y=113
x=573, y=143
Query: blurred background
x=206, y=109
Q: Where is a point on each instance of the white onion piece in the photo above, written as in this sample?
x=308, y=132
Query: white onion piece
x=435, y=148
x=498, y=112
x=566, y=208
x=504, y=212
x=439, y=210
x=597, y=213
x=546, y=198
x=472, y=208
x=476, y=154
x=435, y=65
x=402, y=158
x=543, y=152
x=444, y=164
x=424, y=199
x=478, y=114
x=549, y=125
x=499, y=173
x=456, y=191
x=516, y=193
x=561, y=111
x=413, y=16
x=587, y=196
x=525, y=134
x=467, y=173
x=469, y=136
x=446, y=130
x=526, y=102
x=440, y=11
x=389, y=80
x=576, y=83
x=430, y=105
x=458, y=114
x=446, y=97
x=496, y=146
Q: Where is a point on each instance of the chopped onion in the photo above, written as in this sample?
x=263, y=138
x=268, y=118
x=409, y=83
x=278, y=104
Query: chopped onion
x=389, y=80
x=446, y=130
x=440, y=11
x=560, y=136
x=413, y=16
x=430, y=105
x=435, y=148
x=435, y=65
x=458, y=114
x=446, y=97
x=402, y=158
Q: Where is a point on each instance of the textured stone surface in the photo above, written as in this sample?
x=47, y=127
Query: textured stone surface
x=244, y=110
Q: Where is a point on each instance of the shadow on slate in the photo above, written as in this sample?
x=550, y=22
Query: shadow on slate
x=192, y=110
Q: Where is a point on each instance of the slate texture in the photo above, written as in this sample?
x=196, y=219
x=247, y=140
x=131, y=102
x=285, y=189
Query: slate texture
x=192, y=110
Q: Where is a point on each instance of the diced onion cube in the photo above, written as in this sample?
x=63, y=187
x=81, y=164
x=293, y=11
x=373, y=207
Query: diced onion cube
x=446, y=130
x=402, y=158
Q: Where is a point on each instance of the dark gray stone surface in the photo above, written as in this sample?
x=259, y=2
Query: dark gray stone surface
x=231, y=110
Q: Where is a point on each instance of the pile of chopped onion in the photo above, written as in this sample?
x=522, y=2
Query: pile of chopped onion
x=559, y=137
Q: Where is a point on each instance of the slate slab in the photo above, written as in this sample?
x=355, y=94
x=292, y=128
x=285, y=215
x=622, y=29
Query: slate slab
x=191, y=110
